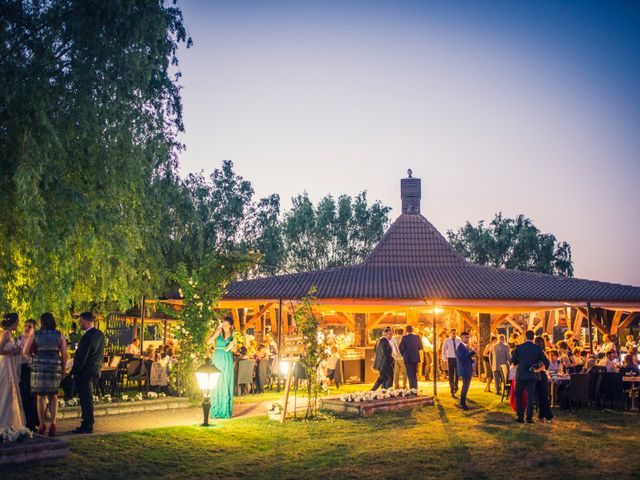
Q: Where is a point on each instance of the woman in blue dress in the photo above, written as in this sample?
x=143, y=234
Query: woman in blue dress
x=222, y=394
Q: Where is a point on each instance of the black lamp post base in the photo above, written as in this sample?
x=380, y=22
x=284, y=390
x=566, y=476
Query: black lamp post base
x=206, y=409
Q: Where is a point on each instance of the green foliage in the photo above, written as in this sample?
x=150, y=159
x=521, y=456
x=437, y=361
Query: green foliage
x=219, y=214
x=89, y=117
x=201, y=288
x=513, y=243
x=307, y=324
x=332, y=233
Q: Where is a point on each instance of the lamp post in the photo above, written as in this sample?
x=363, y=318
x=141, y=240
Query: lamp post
x=207, y=376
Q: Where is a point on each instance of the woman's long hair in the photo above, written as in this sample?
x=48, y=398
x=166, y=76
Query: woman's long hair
x=9, y=320
x=230, y=320
x=47, y=322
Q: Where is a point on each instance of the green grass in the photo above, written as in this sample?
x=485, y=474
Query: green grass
x=430, y=442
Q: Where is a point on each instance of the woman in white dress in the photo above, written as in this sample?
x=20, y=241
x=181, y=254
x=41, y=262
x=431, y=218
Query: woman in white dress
x=11, y=414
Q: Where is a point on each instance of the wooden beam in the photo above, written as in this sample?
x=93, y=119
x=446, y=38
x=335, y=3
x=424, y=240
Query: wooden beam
x=469, y=319
x=349, y=318
x=236, y=318
x=627, y=321
x=515, y=324
x=377, y=321
x=594, y=321
x=498, y=320
x=577, y=324
x=257, y=316
x=616, y=322
x=550, y=322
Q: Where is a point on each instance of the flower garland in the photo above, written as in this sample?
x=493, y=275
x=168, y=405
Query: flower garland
x=370, y=396
x=13, y=434
x=75, y=401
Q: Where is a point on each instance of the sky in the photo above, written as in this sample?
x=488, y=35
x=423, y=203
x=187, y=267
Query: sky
x=498, y=106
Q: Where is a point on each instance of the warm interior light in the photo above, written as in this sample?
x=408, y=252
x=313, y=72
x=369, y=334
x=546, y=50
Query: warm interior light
x=438, y=310
x=284, y=366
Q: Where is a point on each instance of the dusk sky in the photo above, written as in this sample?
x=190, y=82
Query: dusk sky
x=519, y=107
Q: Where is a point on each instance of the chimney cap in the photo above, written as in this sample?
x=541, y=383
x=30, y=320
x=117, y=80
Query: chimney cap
x=410, y=192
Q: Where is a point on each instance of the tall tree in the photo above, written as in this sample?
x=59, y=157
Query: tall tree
x=89, y=116
x=334, y=233
x=513, y=243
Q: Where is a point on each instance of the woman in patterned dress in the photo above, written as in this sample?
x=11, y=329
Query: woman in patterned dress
x=48, y=368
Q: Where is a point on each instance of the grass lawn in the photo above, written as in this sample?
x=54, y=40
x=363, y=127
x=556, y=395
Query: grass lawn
x=438, y=441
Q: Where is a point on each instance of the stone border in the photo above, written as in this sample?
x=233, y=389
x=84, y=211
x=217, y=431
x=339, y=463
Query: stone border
x=117, y=408
x=37, y=448
x=366, y=409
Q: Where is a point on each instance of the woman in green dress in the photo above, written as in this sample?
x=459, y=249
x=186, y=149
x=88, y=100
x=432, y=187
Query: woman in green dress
x=222, y=394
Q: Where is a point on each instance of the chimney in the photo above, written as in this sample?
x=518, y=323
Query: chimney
x=410, y=192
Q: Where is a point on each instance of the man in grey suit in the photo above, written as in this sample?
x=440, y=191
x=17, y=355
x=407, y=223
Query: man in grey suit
x=499, y=356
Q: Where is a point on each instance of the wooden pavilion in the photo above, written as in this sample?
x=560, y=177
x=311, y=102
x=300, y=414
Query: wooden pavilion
x=415, y=276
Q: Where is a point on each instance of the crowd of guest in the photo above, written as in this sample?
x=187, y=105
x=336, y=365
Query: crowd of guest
x=33, y=366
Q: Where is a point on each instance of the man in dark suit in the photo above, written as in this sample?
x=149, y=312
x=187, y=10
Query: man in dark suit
x=384, y=360
x=527, y=357
x=410, y=347
x=86, y=367
x=464, y=365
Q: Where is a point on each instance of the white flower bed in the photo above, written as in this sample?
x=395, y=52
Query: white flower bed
x=370, y=396
x=74, y=402
x=12, y=434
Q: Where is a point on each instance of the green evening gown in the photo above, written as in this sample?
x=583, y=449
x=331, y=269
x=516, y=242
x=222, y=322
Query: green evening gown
x=222, y=395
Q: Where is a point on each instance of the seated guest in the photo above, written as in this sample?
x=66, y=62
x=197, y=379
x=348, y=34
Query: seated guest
x=634, y=355
x=607, y=345
x=610, y=361
x=568, y=338
x=150, y=353
x=584, y=355
x=631, y=343
x=590, y=363
x=628, y=367
x=554, y=363
x=133, y=348
x=243, y=353
x=333, y=362
x=577, y=354
x=261, y=352
x=567, y=360
x=547, y=341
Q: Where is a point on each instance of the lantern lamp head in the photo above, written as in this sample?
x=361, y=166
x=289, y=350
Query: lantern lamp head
x=207, y=376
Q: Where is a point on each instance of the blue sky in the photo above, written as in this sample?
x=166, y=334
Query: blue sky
x=519, y=107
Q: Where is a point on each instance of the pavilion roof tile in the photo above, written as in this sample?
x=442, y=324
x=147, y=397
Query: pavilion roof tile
x=413, y=260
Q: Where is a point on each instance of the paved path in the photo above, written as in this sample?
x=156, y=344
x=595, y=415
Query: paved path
x=160, y=418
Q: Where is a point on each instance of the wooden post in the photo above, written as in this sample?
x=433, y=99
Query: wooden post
x=142, y=327
x=589, y=315
x=436, y=370
x=164, y=333
x=279, y=320
x=484, y=337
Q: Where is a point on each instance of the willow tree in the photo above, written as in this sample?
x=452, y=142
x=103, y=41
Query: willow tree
x=89, y=115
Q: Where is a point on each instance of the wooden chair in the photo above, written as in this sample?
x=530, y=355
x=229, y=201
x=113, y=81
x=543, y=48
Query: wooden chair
x=579, y=389
x=612, y=388
x=262, y=375
x=506, y=382
x=245, y=374
x=137, y=372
